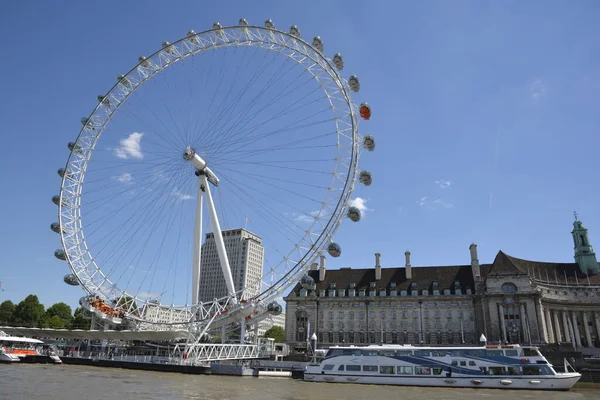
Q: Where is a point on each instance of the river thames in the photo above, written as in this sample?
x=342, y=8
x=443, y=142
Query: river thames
x=70, y=382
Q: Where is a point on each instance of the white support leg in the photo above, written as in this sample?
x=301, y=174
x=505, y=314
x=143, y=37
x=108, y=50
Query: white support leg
x=243, y=331
x=219, y=240
x=197, y=245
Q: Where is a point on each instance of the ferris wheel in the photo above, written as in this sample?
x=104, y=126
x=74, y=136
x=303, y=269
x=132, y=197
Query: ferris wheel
x=210, y=177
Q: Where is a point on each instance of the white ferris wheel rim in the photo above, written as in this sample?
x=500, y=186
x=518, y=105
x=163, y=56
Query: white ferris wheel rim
x=79, y=256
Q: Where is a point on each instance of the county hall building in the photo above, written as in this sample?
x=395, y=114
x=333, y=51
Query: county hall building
x=510, y=300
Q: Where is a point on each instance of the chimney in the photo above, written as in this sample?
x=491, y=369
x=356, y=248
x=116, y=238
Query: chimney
x=314, y=266
x=377, y=266
x=322, y=269
x=474, y=262
x=407, y=265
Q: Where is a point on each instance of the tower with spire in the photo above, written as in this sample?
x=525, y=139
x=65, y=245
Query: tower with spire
x=584, y=253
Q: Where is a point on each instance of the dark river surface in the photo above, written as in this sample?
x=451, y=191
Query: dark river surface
x=71, y=382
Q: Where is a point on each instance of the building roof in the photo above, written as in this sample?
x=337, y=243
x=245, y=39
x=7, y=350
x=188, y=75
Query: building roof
x=554, y=273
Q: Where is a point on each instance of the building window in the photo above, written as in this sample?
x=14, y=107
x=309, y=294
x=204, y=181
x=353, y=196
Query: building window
x=509, y=288
x=425, y=292
x=351, y=315
x=301, y=323
x=382, y=293
x=361, y=293
x=403, y=293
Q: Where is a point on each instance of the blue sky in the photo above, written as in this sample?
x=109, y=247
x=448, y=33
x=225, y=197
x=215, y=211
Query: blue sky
x=485, y=115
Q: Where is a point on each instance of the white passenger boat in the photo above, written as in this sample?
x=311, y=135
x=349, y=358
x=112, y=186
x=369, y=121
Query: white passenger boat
x=14, y=349
x=501, y=367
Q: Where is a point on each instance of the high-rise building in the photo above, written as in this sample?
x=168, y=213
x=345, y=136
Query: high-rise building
x=246, y=257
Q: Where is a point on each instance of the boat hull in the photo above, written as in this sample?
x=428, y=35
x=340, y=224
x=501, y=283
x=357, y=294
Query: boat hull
x=7, y=358
x=557, y=382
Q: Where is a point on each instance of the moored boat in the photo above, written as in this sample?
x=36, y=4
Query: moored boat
x=500, y=367
x=16, y=349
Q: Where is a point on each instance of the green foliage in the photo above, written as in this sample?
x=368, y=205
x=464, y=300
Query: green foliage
x=82, y=319
x=29, y=312
x=7, y=311
x=61, y=311
x=54, y=322
x=277, y=333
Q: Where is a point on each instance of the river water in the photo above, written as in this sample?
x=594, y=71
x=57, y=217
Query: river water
x=71, y=382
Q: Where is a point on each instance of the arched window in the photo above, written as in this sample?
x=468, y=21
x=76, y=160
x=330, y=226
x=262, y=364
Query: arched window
x=301, y=324
x=509, y=288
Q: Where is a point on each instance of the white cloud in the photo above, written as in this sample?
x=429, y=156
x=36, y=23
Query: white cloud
x=310, y=217
x=361, y=204
x=181, y=196
x=125, y=178
x=537, y=90
x=425, y=202
x=130, y=147
x=442, y=183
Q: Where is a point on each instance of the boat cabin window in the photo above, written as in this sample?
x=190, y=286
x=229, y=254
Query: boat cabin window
x=422, y=353
x=528, y=352
x=369, y=352
x=404, y=370
x=352, y=367
x=497, y=371
x=403, y=353
x=341, y=368
x=454, y=363
x=472, y=363
x=385, y=369
x=463, y=363
x=422, y=371
x=334, y=352
x=437, y=370
x=387, y=353
x=440, y=353
x=514, y=370
x=328, y=367
x=537, y=370
x=494, y=353
x=370, y=368
x=511, y=353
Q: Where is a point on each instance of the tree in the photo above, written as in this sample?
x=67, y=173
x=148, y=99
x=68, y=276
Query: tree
x=29, y=312
x=54, y=322
x=81, y=319
x=277, y=333
x=63, y=312
x=7, y=311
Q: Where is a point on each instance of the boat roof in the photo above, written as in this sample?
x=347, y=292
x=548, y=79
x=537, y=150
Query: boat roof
x=19, y=339
x=411, y=347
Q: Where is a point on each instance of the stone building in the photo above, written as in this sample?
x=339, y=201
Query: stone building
x=510, y=300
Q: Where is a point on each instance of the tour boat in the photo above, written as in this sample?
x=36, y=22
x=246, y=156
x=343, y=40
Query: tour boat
x=501, y=367
x=14, y=349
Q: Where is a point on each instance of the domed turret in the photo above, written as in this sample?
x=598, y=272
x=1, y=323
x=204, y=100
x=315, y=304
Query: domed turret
x=334, y=249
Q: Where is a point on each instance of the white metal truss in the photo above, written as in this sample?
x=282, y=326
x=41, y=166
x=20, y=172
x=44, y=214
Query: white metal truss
x=297, y=261
x=199, y=353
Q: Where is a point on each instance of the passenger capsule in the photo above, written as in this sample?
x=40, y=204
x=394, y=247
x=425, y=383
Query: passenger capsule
x=308, y=283
x=365, y=111
x=243, y=22
x=318, y=43
x=354, y=214
x=294, y=31
x=64, y=174
x=55, y=227
x=217, y=25
x=334, y=249
x=85, y=121
x=365, y=178
x=56, y=200
x=269, y=24
x=144, y=62
x=274, y=308
x=338, y=61
x=103, y=100
x=193, y=37
x=369, y=142
x=71, y=279
x=60, y=254
x=168, y=48
x=354, y=83
x=122, y=79
x=74, y=147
